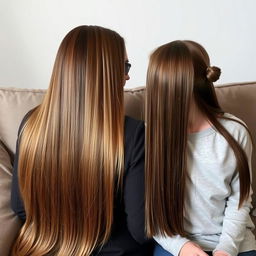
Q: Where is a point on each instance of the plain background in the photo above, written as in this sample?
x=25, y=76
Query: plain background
x=31, y=31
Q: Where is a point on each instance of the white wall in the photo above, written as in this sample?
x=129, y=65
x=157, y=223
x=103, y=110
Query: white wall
x=31, y=31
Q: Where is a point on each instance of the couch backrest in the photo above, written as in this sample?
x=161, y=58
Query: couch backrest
x=14, y=104
x=238, y=99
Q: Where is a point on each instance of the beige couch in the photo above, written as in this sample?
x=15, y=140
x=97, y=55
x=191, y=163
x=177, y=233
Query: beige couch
x=238, y=99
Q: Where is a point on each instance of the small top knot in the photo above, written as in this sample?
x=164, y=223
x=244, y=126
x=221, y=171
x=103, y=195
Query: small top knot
x=213, y=73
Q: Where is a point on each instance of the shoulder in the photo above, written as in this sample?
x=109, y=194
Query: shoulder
x=132, y=123
x=133, y=126
x=236, y=127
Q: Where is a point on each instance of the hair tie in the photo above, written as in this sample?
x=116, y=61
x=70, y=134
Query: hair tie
x=213, y=73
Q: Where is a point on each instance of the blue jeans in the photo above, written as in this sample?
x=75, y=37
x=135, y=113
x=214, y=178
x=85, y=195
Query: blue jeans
x=159, y=251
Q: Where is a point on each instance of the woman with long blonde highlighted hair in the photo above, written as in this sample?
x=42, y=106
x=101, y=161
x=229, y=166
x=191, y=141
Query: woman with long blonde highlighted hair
x=79, y=170
x=198, y=159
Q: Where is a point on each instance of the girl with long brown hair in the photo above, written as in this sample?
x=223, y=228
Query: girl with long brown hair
x=198, y=159
x=79, y=170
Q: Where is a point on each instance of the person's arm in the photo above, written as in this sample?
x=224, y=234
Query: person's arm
x=180, y=246
x=235, y=220
x=16, y=201
x=134, y=187
x=172, y=244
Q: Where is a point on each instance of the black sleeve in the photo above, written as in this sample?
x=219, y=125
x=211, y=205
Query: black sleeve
x=134, y=187
x=16, y=201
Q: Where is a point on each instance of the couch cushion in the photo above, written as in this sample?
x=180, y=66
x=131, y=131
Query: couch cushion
x=9, y=223
x=14, y=104
x=238, y=99
x=134, y=102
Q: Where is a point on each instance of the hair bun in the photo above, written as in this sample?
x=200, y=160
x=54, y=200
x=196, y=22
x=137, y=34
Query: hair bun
x=213, y=73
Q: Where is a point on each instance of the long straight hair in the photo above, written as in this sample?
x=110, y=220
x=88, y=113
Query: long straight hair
x=71, y=152
x=178, y=73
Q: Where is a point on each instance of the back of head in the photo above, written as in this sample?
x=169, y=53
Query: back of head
x=202, y=62
x=181, y=70
x=71, y=150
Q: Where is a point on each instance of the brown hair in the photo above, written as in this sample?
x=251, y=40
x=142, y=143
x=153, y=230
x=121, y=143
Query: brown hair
x=72, y=148
x=178, y=72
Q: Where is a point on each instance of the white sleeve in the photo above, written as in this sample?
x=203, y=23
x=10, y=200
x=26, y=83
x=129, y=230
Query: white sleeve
x=171, y=244
x=235, y=220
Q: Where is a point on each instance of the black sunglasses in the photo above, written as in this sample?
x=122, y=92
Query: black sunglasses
x=127, y=67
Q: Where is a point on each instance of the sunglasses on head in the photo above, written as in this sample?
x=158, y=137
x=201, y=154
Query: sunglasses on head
x=127, y=67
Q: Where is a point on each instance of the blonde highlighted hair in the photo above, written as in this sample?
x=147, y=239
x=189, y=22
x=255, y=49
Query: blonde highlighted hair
x=71, y=153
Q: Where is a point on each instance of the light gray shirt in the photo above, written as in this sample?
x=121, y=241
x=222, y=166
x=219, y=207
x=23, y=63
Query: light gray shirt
x=211, y=216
